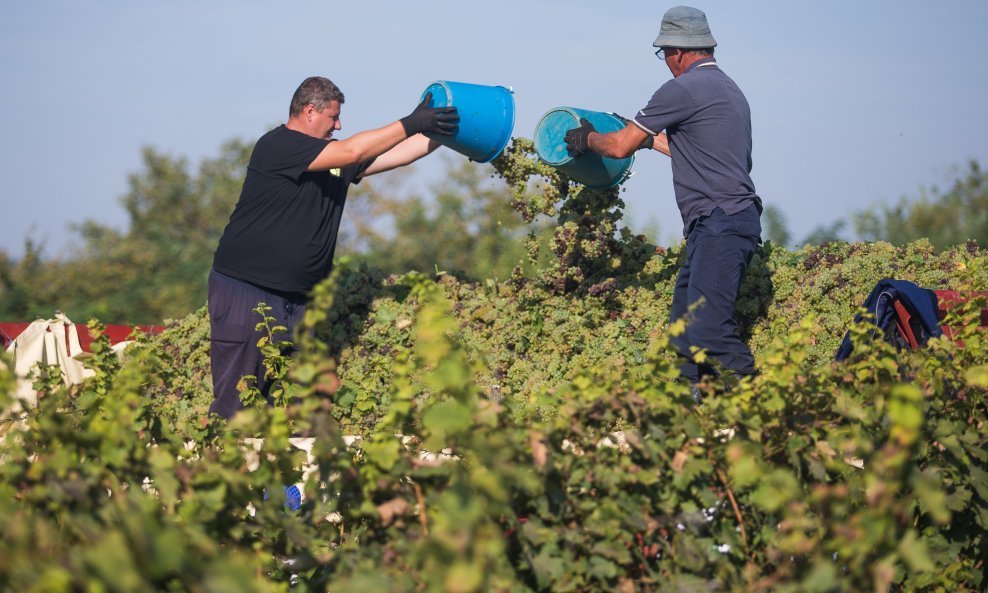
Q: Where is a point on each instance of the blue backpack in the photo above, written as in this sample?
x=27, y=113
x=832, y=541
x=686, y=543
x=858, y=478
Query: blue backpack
x=904, y=314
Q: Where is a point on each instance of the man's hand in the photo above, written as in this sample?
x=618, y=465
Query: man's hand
x=444, y=121
x=578, y=139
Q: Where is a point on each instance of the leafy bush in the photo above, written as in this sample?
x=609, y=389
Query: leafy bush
x=527, y=435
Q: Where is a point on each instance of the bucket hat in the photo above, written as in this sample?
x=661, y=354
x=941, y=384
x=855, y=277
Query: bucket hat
x=684, y=27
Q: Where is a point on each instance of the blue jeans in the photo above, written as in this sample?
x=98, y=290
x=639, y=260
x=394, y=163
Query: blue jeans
x=233, y=340
x=718, y=250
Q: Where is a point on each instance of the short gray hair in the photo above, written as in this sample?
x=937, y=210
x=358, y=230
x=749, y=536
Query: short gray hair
x=318, y=91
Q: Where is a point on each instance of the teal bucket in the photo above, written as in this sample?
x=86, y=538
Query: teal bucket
x=590, y=169
x=487, y=117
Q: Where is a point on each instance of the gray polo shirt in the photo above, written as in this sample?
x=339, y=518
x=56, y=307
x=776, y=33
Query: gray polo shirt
x=708, y=122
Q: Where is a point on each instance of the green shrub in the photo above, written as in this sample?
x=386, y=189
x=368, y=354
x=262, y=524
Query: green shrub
x=526, y=435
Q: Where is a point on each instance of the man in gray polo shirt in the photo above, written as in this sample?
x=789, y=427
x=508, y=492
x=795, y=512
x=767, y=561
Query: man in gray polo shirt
x=701, y=119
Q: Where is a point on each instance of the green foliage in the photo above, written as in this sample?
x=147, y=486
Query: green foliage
x=812, y=476
x=589, y=250
x=16, y=294
x=827, y=233
x=157, y=268
x=276, y=351
x=528, y=434
x=532, y=339
x=154, y=270
x=947, y=218
x=77, y=513
x=944, y=218
x=828, y=281
x=467, y=227
x=775, y=229
x=182, y=388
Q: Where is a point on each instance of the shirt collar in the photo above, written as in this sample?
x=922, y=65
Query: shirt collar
x=704, y=62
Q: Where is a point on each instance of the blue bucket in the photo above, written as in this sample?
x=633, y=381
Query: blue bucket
x=590, y=169
x=487, y=117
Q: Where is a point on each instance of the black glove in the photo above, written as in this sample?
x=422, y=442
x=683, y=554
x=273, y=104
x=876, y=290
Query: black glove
x=431, y=120
x=577, y=139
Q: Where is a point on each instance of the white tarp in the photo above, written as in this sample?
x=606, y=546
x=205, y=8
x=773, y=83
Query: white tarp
x=46, y=346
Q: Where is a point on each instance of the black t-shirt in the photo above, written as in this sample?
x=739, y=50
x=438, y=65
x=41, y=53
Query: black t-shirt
x=282, y=233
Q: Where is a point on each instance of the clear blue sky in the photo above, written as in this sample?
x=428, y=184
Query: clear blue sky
x=853, y=102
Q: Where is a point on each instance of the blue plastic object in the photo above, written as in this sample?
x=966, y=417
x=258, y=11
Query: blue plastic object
x=590, y=169
x=293, y=497
x=487, y=117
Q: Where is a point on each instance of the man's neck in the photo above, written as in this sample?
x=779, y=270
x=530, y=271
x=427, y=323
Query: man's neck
x=691, y=58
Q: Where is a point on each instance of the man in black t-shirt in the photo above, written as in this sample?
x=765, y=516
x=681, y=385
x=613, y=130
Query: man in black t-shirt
x=280, y=240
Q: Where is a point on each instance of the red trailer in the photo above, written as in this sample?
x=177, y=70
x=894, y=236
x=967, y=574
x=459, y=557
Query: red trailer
x=946, y=300
x=116, y=333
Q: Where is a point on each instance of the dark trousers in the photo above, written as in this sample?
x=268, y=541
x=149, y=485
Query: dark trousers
x=718, y=250
x=233, y=337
